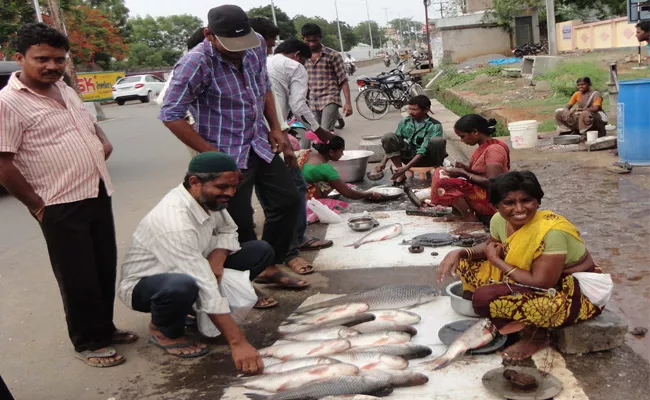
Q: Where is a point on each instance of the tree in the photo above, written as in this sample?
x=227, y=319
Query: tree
x=13, y=14
x=330, y=31
x=405, y=25
x=286, y=25
x=378, y=36
x=505, y=11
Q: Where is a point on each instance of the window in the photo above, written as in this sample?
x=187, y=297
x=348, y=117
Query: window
x=129, y=79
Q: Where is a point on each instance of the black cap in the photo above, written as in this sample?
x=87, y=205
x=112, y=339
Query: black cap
x=231, y=27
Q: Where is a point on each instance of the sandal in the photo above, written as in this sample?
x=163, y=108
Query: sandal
x=300, y=266
x=121, y=336
x=265, y=302
x=620, y=167
x=85, y=356
x=152, y=339
x=281, y=279
x=315, y=244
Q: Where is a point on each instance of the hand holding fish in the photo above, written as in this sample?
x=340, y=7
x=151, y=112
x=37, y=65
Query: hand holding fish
x=494, y=252
x=246, y=358
x=399, y=173
x=449, y=265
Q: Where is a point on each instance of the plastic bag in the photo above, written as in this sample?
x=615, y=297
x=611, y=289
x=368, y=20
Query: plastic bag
x=596, y=287
x=325, y=215
x=237, y=288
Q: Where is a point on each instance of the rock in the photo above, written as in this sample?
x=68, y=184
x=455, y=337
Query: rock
x=523, y=82
x=603, y=143
x=543, y=86
x=605, y=332
x=639, y=331
x=482, y=78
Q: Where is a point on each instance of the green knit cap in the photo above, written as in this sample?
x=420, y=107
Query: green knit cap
x=212, y=162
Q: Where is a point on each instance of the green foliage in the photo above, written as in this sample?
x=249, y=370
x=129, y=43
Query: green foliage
x=548, y=125
x=563, y=78
x=13, y=14
x=361, y=31
x=505, y=11
x=459, y=108
x=330, y=31
x=405, y=25
x=287, y=28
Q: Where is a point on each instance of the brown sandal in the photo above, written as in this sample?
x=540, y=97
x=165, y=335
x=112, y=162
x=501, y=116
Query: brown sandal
x=281, y=279
x=300, y=266
x=270, y=303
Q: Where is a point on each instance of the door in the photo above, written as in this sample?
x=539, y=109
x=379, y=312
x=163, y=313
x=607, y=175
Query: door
x=524, y=30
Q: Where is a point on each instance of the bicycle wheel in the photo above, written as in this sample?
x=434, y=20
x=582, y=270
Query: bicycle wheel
x=372, y=104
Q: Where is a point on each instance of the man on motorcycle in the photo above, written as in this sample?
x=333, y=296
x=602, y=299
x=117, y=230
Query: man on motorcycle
x=326, y=79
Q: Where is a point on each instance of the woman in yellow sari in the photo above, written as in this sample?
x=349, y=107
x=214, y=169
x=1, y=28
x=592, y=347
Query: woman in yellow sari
x=522, y=278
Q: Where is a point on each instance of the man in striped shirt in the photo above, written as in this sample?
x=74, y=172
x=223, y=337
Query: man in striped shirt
x=52, y=159
x=224, y=83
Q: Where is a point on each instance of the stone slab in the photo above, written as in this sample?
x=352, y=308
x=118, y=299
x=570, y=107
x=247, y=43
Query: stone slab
x=605, y=332
x=603, y=143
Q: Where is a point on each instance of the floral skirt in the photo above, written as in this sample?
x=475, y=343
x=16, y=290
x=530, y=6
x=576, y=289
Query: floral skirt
x=504, y=303
x=446, y=191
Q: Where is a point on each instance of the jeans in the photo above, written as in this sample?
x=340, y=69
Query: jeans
x=80, y=239
x=396, y=147
x=278, y=195
x=328, y=116
x=169, y=297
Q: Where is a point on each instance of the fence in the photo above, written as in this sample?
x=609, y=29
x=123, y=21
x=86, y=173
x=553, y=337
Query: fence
x=613, y=33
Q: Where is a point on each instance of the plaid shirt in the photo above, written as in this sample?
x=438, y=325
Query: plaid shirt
x=228, y=105
x=325, y=79
x=418, y=134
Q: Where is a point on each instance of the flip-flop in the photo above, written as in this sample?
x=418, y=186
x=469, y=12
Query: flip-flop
x=152, y=339
x=123, y=333
x=86, y=355
x=620, y=167
x=309, y=244
x=297, y=264
x=273, y=302
x=276, y=279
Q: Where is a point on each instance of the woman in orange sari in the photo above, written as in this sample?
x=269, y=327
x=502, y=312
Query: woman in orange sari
x=464, y=187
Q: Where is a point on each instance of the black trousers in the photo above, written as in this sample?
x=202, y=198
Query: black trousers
x=279, y=197
x=80, y=239
x=169, y=297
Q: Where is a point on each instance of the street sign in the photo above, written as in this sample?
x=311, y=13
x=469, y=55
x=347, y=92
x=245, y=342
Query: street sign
x=638, y=10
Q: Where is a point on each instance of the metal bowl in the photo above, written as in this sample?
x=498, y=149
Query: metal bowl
x=458, y=303
x=352, y=166
x=362, y=224
x=566, y=139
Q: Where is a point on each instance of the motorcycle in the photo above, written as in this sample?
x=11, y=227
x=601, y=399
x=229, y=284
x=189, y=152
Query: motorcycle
x=530, y=49
x=350, y=68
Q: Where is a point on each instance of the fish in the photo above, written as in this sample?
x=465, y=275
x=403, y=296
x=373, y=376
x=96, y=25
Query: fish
x=404, y=378
x=308, y=348
x=379, y=234
x=408, y=351
x=390, y=297
x=385, y=326
x=352, y=320
x=275, y=366
x=341, y=385
x=352, y=397
x=479, y=334
x=331, y=313
x=326, y=333
x=378, y=339
x=296, y=378
x=368, y=361
x=400, y=316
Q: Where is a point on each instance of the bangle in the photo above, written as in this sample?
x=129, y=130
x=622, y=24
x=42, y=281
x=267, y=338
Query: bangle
x=510, y=272
x=39, y=211
x=469, y=252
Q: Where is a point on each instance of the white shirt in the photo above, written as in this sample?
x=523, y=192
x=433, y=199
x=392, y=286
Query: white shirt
x=177, y=236
x=290, y=83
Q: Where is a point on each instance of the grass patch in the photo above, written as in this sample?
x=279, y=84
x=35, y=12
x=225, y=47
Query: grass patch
x=452, y=78
x=460, y=108
x=548, y=125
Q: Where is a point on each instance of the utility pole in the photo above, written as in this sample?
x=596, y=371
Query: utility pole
x=338, y=25
x=426, y=21
x=387, y=21
x=275, y=20
x=369, y=28
x=55, y=14
x=37, y=7
x=550, y=27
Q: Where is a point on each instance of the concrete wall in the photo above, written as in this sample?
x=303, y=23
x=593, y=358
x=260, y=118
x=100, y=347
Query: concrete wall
x=471, y=6
x=613, y=33
x=462, y=43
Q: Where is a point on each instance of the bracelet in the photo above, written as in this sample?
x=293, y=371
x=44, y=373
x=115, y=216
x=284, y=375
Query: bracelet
x=469, y=252
x=39, y=211
x=510, y=271
x=470, y=177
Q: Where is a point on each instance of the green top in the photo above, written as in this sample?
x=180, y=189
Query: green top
x=555, y=241
x=418, y=134
x=315, y=173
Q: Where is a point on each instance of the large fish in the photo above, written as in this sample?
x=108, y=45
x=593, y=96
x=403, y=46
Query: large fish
x=385, y=326
x=479, y=334
x=389, y=297
x=385, y=233
x=352, y=320
x=408, y=351
x=297, y=377
x=368, y=361
x=330, y=314
x=341, y=385
x=326, y=333
x=275, y=366
x=310, y=348
x=403, y=378
x=399, y=316
x=378, y=339
x=352, y=397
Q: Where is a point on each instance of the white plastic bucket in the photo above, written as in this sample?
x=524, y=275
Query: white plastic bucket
x=523, y=134
x=592, y=136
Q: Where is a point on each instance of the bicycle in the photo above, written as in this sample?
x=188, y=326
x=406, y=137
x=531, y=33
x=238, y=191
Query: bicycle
x=374, y=102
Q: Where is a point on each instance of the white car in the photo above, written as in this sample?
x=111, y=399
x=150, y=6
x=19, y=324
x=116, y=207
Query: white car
x=137, y=87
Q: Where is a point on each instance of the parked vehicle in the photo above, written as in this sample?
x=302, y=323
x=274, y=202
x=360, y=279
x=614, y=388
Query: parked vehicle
x=528, y=49
x=145, y=88
x=350, y=68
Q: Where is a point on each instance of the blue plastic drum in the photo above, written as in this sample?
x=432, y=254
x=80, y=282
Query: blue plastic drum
x=634, y=121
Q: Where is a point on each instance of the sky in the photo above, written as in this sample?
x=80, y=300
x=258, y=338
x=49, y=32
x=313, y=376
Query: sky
x=350, y=11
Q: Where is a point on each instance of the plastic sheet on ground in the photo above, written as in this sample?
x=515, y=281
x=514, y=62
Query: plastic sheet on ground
x=505, y=61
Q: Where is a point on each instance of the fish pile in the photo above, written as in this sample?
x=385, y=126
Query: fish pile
x=353, y=347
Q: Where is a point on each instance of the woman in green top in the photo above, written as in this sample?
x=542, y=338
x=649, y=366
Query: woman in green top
x=321, y=176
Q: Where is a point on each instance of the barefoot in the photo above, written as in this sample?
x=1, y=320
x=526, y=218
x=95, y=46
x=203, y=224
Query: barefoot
x=527, y=345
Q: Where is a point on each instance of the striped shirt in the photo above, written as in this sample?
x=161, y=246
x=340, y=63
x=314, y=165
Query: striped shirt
x=177, y=236
x=326, y=76
x=56, y=148
x=227, y=104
